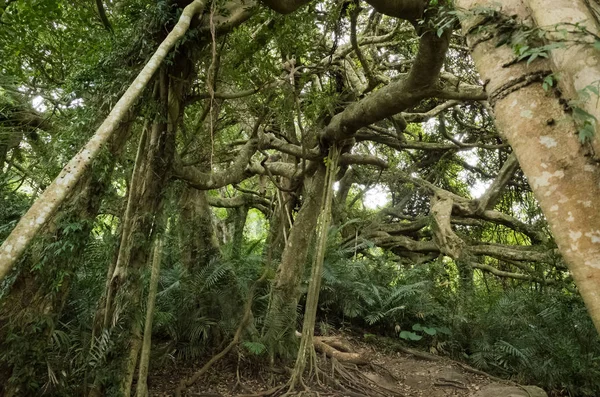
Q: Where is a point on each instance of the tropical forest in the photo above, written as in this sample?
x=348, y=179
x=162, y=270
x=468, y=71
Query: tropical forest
x=277, y=198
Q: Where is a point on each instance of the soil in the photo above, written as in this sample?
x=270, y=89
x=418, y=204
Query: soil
x=407, y=373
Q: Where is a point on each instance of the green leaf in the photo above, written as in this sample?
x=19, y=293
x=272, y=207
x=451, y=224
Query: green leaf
x=417, y=327
x=444, y=330
x=532, y=58
x=548, y=82
x=429, y=331
x=581, y=114
x=586, y=132
x=255, y=348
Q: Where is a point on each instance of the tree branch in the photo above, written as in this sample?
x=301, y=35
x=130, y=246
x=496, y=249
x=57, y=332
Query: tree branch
x=103, y=17
x=285, y=6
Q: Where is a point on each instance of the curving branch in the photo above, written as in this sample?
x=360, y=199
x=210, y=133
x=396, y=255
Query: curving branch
x=491, y=195
x=373, y=81
x=363, y=159
x=279, y=168
x=270, y=141
x=394, y=97
x=212, y=180
x=232, y=14
x=448, y=242
x=516, y=276
x=242, y=200
x=422, y=117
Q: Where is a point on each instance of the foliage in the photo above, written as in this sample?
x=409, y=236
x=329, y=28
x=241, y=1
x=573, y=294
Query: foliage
x=61, y=68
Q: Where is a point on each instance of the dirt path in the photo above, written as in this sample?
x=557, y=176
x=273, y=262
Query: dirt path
x=406, y=373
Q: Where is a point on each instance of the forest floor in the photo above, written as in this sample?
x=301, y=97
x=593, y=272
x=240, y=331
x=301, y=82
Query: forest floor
x=407, y=372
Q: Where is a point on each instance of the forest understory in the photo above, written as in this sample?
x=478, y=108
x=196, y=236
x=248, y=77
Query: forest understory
x=300, y=197
x=389, y=369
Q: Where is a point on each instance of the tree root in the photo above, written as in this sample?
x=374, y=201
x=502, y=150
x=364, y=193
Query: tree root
x=335, y=370
x=340, y=350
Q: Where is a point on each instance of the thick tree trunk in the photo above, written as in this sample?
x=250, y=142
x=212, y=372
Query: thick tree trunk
x=199, y=240
x=34, y=298
x=577, y=66
x=564, y=180
x=306, y=349
x=275, y=243
x=240, y=215
x=47, y=204
x=281, y=315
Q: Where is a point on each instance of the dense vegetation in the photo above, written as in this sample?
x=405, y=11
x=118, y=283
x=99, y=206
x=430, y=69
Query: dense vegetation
x=216, y=182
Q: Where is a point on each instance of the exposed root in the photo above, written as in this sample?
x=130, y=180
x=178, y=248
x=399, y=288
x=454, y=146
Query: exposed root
x=328, y=374
x=341, y=351
x=238, y=382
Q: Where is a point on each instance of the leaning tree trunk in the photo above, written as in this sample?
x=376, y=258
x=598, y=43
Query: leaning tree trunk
x=33, y=298
x=281, y=315
x=47, y=204
x=565, y=181
x=139, y=226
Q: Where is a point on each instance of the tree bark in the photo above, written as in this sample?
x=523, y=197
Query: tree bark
x=239, y=215
x=142, y=384
x=306, y=349
x=544, y=139
x=199, y=239
x=577, y=64
x=139, y=227
x=281, y=314
x=34, y=295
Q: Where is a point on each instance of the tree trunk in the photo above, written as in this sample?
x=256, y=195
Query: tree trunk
x=139, y=227
x=577, y=66
x=281, y=315
x=33, y=303
x=306, y=349
x=239, y=215
x=199, y=240
x=564, y=180
x=142, y=383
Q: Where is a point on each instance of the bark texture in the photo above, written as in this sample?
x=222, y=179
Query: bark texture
x=577, y=63
x=280, y=318
x=306, y=349
x=199, y=239
x=544, y=138
x=34, y=302
x=142, y=384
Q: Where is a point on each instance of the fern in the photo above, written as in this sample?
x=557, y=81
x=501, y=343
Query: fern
x=255, y=348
